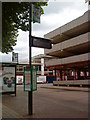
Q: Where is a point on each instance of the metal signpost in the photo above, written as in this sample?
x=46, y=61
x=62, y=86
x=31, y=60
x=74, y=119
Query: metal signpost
x=30, y=93
x=30, y=75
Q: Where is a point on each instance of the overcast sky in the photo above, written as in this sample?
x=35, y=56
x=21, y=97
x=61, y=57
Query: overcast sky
x=55, y=15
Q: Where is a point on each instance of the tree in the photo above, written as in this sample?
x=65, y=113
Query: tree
x=15, y=16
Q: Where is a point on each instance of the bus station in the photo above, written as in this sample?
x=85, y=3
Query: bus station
x=64, y=67
x=71, y=51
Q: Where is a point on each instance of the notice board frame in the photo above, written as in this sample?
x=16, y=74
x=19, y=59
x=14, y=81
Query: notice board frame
x=10, y=65
x=30, y=70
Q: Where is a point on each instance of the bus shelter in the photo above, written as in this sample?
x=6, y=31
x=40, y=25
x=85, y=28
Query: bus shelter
x=8, y=78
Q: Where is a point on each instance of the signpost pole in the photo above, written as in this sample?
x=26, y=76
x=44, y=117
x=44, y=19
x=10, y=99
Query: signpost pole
x=36, y=42
x=30, y=93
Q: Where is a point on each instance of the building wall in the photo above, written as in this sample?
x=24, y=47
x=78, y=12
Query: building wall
x=70, y=49
x=69, y=26
x=82, y=39
x=68, y=60
x=64, y=48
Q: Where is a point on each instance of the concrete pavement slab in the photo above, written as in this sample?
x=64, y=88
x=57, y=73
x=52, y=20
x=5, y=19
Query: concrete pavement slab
x=47, y=103
x=67, y=88
x=9, y=113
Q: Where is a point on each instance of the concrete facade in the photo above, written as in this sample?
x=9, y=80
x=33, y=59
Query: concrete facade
x=70, y=46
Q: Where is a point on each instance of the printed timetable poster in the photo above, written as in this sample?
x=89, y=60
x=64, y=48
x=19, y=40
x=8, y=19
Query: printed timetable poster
x=27, y=79
x=34, y=76
x=8, y=79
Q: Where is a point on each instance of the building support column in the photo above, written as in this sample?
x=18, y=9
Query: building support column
x=75, y=76
x=71, y=72
x=60, y=74
x=42, y=66
x=78, y=74
x=63, y=77
x=85, y=74
x=55, y=74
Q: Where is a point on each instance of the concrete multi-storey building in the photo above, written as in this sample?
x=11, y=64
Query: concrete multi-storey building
x=71, y=47
x=41, y=68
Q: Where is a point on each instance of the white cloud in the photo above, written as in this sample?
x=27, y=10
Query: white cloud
x=5, y=57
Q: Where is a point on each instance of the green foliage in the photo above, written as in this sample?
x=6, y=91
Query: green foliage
x=15, y=16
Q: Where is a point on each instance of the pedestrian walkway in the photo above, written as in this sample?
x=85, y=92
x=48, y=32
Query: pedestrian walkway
x=83, y=89
x=47, y=103
x=9, y=113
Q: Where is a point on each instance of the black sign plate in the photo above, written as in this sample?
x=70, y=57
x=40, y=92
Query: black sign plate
x=41, y=42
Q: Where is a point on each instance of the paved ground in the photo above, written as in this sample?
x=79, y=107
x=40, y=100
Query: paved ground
x=47, y=103
x=7, y=113
x=50, y=86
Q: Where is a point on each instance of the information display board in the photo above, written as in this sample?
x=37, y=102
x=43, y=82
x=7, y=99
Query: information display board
x=34, y=77
x=8, y=77
x=27, y=79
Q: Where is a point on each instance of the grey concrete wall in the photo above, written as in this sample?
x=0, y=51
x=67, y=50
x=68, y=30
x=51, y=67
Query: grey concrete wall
x=78, y=58
x=69, y=43
x=79, y=21
x=72, y=82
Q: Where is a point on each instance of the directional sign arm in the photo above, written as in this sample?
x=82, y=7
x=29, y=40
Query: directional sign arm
x=41, y=42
